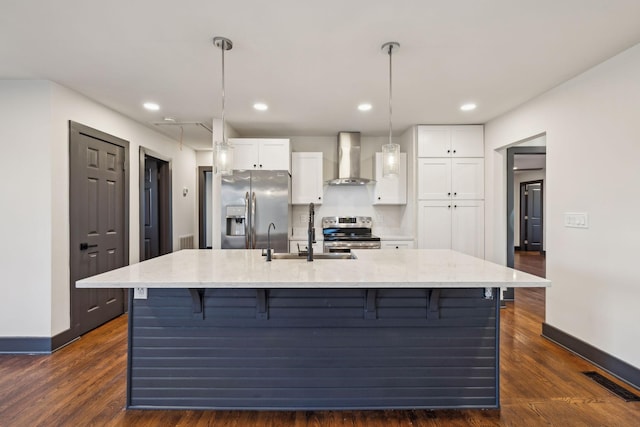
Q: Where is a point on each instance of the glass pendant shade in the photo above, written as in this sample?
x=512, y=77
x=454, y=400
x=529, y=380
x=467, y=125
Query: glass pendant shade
x=390, y=160
x=223, y=158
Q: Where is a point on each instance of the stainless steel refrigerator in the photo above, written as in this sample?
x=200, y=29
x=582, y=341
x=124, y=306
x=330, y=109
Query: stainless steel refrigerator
x=251, y=200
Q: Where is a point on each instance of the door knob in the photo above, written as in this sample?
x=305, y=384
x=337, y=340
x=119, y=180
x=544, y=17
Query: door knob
x=85, y=246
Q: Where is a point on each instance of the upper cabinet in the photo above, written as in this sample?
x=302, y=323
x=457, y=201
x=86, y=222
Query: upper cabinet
x=451, y=141
x=390, y=190
x=440, y=178
x=261, y=153
x=306, y=178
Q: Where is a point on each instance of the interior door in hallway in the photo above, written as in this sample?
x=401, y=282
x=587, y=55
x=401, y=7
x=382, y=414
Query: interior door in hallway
x=98, y=223
x=531, y=216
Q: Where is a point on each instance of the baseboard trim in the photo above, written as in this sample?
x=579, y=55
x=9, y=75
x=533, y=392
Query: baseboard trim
x=616, y=367
x=22, y=345
x=36, y=345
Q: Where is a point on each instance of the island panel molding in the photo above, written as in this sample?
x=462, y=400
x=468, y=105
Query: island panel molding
x=318, y=349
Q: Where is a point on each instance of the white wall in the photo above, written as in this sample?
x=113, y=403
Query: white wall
x=36, y=134
x=25, y=225
x=593, y=146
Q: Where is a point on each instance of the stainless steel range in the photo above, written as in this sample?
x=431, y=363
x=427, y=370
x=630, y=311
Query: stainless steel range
x=343, y=233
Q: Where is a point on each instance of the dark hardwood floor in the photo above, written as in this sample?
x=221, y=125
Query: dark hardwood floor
x=83, y=384
x=530, y=262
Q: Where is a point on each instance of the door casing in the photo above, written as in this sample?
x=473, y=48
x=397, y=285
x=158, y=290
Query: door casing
x=164, y=200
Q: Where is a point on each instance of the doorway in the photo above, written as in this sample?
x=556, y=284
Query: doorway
x=205, y=189
x=523, y=152
x=156, y=235
x=98, y=222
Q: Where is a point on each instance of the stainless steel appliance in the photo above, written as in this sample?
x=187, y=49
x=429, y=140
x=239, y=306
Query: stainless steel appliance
x=251, y=200
x=341, y=234
x=349, y=160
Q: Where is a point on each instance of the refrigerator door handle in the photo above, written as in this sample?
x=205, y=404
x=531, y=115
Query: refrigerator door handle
x=253, y=219
x=246, y=220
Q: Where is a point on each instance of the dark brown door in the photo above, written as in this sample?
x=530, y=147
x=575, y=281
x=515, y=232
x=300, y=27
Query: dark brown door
x=98, y=224
x=151, y=209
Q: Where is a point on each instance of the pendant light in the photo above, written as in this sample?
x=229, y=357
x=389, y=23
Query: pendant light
x=223, y=150
x=390, y=151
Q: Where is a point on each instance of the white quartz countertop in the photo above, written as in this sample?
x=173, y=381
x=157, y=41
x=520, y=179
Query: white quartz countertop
x=415, y=268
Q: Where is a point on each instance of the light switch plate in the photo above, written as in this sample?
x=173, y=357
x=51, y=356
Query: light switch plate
x=576, y=220
x=139, y=293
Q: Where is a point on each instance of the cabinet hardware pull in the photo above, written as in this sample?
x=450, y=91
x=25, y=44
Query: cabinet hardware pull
x=319, y=198
x=254, y=165
x=85, y=246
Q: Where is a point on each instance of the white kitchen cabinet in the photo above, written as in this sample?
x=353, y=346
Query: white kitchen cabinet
x=451, y=141
x=306, y=178
x=302, y=244
x=457, y=179
x=457, y=225
x=397, y=244
x=261, y=154
x=390, y=190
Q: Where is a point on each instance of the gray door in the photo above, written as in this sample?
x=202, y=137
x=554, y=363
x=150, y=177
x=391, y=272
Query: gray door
x=531, y=213
x=98, y=225
x=151, y=209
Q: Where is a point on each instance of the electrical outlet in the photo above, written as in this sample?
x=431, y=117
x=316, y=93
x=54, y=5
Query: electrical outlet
x=139, y=293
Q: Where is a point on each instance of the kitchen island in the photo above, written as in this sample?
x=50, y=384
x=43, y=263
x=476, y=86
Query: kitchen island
x=389, y=329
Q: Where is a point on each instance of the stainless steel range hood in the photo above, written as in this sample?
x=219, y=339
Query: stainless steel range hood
x=349, y=160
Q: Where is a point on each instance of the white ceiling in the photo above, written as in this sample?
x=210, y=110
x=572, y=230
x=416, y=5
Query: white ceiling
x=313, y=63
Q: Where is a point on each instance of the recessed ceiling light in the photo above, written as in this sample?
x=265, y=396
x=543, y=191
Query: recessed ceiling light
x=169, y=119
x=364, y=107
x=468, y=107
x=260, y=106
x=151, y=106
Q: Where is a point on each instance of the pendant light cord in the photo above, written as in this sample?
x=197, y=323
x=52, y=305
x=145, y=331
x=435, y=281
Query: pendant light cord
x=223, y=48
x=390, y=93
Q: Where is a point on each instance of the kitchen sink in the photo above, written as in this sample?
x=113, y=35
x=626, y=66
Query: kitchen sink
x=303, y=256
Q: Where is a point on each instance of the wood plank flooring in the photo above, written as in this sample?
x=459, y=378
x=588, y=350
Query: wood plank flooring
x=84, y=384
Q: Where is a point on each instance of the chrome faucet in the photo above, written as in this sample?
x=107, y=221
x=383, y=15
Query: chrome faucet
x=269, y=240
x=311, y=233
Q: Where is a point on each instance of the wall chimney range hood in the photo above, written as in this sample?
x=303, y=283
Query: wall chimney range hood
x=349, y=160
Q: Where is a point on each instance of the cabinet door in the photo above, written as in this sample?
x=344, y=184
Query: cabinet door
x=245, y=153
x=467, y=141
x=434, y=224
x=274, y=154
x=390, y=190
x=397, y=244
x=306, y=178
x=434, y=178
x=467, y=178
x=434, y=141
x=467, y=227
